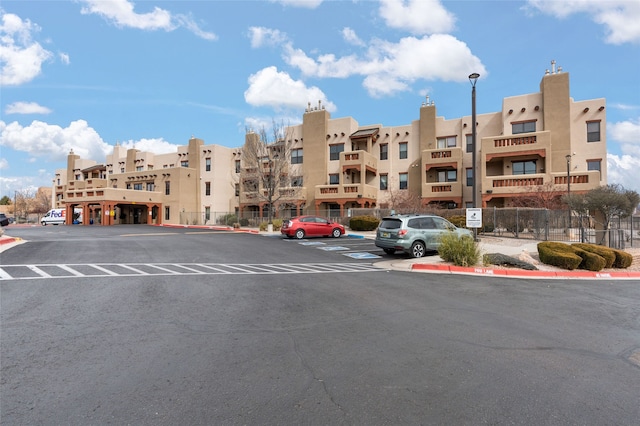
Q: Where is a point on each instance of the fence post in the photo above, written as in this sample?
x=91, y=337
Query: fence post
x=517, y=222
x=546, y=224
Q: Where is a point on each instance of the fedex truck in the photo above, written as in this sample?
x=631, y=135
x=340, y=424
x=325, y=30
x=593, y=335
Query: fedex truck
x=57, y=217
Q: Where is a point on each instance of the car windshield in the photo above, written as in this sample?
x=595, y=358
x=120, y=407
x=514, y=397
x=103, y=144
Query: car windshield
x=391, y=223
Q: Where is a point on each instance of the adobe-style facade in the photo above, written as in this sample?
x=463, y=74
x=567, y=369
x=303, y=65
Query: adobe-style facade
x=538, y=141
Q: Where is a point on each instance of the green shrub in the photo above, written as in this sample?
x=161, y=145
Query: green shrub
x=459, y=221
x=244, y=222
x=461, y=251
x=623, y=259
x=263, y=226
x=277, y=224
x=608, y=254
x=228, y=219
x=590, y=260
x=558, y=254
x=363, y=223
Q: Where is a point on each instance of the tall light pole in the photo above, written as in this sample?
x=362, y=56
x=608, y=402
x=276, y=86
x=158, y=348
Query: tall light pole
x=473, y=78
x=568, y=158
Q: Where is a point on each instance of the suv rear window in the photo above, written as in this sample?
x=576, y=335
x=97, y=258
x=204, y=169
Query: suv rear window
x=391, y=224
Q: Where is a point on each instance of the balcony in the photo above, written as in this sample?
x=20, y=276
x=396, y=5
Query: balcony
x=361, y=161
x=580, y=181
x=292, y=193
x=443, y=157
x=346, y=192
x=537, y=143
x=442, y=190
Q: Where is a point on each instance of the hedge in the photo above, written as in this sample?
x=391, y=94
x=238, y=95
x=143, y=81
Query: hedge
x=591, y=257
x=608, y=254
x=363, y=223
x=558, y=254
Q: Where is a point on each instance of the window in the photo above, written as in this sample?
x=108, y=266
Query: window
x=207, y=164
x=335, y=150
x=207, y=188
x=447, y=175
x=594, y=165
x=469, y=143
x=167, y=216
x=150, y=186
x=384, y=182
x=122, y=170
x=207, y=213
x=447, y=142
x=184, y=163
x=384, y=151
x=237, y=188
x=469, y=176
x=167, y=188
x=524, y=167
x=334, y=179
x=139, y=168
x=403, y=150
x=149, y=166
x=128, y=186
x=403, y=180
x=297, y=182
x=296, y=156
x=523, y=127
x=593, y=131
x=237, y=166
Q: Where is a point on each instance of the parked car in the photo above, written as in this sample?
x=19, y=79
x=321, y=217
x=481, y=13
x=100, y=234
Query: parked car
x=311, y=226
x=4, y=220
x=414, y=234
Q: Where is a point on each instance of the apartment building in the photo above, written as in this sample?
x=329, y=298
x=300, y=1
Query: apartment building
x=138, y=187
x=542, y=141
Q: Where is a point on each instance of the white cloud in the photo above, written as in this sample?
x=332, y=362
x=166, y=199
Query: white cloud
x=53, y=142
x=417, y=16
x=391, y=67
x=4, y=164
x=157, y=146
x=26, y=108
x=350, y=36
x=623, y=169
x=64, y=58
x=625, y=132
x=121, y=14
x=269, y=87
x=261, y=36
x=619, y=17
x=21, y=58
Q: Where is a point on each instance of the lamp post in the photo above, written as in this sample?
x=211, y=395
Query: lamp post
x=568, y=158
x=473, y=78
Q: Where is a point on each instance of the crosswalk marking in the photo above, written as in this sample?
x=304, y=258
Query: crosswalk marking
x=92, y=270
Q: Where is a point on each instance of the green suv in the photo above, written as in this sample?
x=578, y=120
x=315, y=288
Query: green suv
x=414, y=234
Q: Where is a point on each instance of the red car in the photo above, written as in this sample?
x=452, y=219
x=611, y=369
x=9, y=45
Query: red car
x=311, y=226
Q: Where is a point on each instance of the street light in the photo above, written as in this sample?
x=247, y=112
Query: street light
x=473, y=78
x=568, y=158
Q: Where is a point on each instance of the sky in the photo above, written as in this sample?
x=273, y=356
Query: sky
x=83, y=75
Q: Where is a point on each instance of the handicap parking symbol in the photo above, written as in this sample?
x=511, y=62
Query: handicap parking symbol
x=362, y=255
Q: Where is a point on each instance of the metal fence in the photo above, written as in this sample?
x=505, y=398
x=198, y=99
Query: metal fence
x=524, y=223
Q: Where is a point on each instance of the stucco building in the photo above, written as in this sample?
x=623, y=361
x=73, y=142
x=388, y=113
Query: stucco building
x=537, y=141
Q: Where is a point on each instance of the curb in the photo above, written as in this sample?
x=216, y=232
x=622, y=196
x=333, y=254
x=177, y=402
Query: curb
x=519, y=273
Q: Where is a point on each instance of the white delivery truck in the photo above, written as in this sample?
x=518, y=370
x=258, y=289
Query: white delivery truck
x=57, y=217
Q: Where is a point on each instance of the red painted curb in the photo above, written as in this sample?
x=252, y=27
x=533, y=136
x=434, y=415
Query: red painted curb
x=522, y=273
x=8, y=240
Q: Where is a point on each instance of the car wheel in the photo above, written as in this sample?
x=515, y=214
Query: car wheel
x=389, y=251
x=336, y=233
x=44, y=223
x=300, y=234
x=418, y=249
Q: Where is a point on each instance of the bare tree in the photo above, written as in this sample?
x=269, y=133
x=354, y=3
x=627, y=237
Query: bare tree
x=266, y=169
x=547, y=196
x=41, y=202
x=402, y=200
x=610, y=200
x=23, y=203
